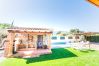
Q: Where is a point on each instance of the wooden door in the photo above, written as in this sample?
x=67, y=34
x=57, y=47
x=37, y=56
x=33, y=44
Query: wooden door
x=39, y=41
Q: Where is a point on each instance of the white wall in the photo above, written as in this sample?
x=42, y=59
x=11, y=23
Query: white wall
x=66, y=39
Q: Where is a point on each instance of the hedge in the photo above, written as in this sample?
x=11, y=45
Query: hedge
x=92, y=38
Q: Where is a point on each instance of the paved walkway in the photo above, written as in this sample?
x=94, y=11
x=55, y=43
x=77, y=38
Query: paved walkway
x=91, y=45
x=94, y=46
x=1, y=55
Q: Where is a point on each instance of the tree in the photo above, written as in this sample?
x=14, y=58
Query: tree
x=59, y=32
x=74, y=31
x=3, y=32
x=4, y=25
x=64, y=34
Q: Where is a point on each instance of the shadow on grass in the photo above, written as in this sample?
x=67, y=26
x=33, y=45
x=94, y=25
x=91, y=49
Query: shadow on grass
x=56, y=54
x=87, y=50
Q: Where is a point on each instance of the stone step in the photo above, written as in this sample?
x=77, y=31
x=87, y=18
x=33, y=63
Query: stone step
x=33, y=53
x=30, y=56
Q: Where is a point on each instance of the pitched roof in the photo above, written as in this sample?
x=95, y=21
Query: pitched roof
x=29, y=29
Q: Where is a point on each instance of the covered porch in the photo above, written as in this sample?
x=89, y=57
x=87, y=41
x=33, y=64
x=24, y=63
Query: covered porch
x=28, y=41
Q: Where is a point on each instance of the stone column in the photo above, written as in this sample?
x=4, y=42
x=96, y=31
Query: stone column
x=44, y=39
x=9, y=45
x=35, y=41
x=49, y=41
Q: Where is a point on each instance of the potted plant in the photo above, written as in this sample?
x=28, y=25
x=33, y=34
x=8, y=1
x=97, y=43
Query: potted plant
x=45, y=46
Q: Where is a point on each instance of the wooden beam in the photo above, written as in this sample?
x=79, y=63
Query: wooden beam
x=33, y=32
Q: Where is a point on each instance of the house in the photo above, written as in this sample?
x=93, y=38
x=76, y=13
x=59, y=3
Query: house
x=76, y=37
x=68, y=38
x=27, y=42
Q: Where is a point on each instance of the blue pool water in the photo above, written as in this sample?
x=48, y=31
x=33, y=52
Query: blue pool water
x=58, y=43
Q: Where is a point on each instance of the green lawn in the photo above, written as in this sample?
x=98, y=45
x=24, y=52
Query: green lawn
x=59, y=57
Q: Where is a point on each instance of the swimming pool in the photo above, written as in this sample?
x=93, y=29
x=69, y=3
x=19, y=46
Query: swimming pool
x=58, y=43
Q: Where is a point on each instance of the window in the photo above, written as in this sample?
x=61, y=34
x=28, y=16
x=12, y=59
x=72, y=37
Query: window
x=77, y=37
x=16, y=35
x=70, y=37
x=54, y=38
x=62, y=38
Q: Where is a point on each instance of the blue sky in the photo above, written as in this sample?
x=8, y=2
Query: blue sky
x=55, y=14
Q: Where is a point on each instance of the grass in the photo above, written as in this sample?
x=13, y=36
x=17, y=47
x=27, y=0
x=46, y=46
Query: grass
x=59, y=57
